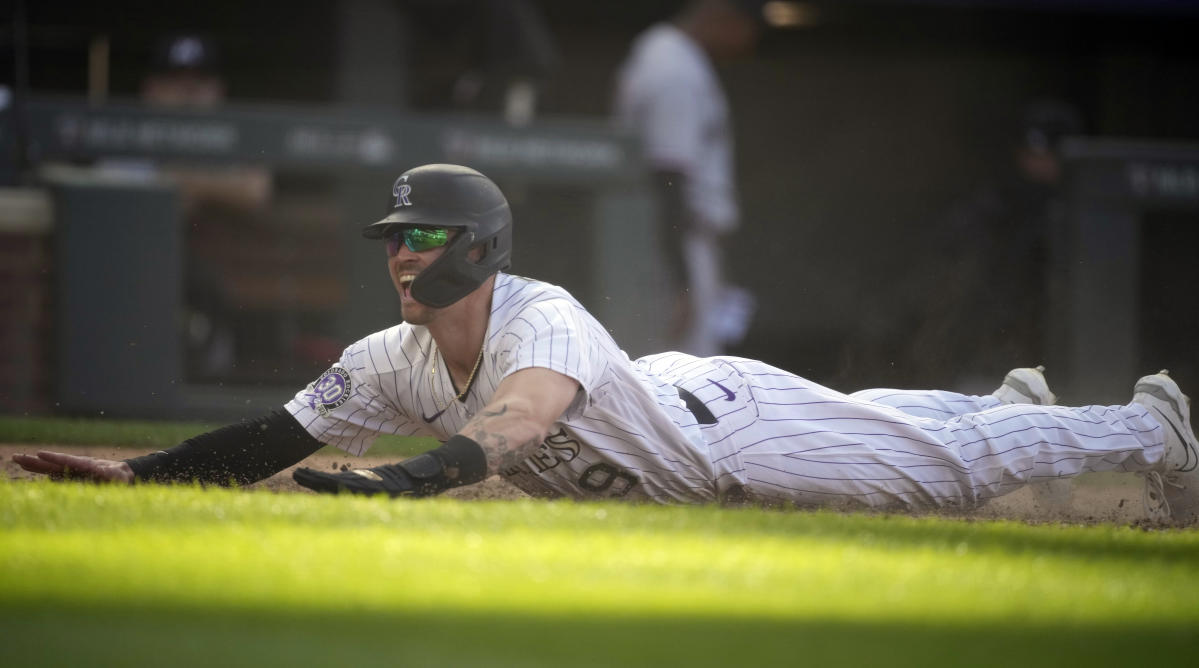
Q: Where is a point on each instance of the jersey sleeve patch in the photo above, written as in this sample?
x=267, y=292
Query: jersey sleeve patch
x=329, y=391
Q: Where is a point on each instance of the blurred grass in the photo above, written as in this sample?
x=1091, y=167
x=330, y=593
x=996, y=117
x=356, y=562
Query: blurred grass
x=155, y=574
x=151, y=434
x=92, y=431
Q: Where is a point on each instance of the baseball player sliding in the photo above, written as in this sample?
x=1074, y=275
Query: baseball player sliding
x=516, y=378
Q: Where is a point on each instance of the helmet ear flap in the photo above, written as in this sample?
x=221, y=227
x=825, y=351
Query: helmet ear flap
x=451, y=276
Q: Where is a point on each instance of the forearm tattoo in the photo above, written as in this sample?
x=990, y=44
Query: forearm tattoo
x=506, y=438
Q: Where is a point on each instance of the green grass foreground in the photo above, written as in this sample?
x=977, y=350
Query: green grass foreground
x=180, y=576
x=150, y=434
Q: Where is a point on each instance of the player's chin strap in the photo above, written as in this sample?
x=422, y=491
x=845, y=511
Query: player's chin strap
x=459, y=461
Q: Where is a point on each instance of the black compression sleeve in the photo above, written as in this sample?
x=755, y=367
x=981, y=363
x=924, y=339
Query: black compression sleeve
x=238, y=454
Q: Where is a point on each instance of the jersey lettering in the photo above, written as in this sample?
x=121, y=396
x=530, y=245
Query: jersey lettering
x=557, y=448
x=602, y=476
x=567, y=447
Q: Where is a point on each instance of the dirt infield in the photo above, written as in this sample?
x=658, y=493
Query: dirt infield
x=1095, y=498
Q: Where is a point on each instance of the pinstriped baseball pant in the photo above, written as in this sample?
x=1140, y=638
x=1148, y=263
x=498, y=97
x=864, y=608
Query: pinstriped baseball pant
x=793, y=440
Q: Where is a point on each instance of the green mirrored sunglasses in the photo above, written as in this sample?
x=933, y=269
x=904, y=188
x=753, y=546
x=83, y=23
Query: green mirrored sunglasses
x=417, y=239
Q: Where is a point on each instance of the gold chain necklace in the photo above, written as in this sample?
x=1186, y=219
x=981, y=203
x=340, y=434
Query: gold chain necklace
x=469, y=381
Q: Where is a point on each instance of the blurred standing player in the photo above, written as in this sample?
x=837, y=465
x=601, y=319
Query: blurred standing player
x=217, y=201
x=669, y=96
x=518, y=379
x=185, y=75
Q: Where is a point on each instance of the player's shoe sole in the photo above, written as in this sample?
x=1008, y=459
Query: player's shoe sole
x=1172, y=490
x=1028, y=386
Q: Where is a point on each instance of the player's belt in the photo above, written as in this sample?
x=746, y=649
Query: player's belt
x=697, y=407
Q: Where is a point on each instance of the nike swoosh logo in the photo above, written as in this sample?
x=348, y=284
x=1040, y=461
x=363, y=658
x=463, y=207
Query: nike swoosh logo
x=728, y=394
x=434, y=416
x=1186, y=464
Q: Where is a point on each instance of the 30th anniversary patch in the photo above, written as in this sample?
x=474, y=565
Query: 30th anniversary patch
x=329, y=391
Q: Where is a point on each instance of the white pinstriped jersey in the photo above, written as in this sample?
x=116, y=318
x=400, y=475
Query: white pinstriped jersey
x=626, y=434
x=629, y=434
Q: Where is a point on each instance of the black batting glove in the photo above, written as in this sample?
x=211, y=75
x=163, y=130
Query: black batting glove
x=459, y=461
x=391, y=480
x=422, y=475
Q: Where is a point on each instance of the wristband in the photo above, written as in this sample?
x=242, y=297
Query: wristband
x=459, y=461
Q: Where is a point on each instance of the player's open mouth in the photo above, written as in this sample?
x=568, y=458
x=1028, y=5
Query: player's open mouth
x=405, y=281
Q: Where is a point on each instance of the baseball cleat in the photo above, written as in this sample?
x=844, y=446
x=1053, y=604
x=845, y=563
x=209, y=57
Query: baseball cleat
x=1025, y=386
x=1172, y=488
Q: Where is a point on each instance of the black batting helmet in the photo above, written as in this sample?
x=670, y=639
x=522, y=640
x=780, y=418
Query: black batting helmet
x=458, y=198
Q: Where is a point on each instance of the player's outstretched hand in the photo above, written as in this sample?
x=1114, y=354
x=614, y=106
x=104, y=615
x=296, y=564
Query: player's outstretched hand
x=60, y=466
x=391, y=480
